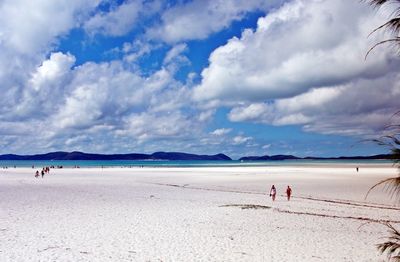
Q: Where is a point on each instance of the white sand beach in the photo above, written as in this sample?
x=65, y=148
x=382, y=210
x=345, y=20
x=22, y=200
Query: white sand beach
x=195, y=214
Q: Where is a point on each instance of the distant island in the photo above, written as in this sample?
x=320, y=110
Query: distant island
x=173, y=156
x=291, y=157
x=85, y=156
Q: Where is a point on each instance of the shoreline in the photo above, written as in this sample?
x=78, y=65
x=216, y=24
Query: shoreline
x=73, y=164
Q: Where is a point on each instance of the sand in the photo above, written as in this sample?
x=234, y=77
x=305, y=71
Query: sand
x=195, y=214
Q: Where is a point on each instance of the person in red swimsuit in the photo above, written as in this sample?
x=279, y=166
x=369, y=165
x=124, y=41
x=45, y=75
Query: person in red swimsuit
x=288, y=192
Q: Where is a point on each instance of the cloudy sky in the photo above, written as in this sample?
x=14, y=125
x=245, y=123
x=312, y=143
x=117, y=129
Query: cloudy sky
x=241, y=77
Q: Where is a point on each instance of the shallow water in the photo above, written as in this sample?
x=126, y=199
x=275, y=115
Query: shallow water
x=180, y=163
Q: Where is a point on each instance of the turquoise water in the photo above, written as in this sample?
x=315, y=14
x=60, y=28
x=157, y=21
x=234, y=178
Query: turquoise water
x=186, y=163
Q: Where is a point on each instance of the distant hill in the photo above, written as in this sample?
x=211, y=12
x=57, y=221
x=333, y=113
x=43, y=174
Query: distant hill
x=85, y=156
x=171, y=156
x=185, y=156
x=377, y=157
x=290, y=157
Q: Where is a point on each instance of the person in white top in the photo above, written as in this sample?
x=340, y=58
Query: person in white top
x=272, y=192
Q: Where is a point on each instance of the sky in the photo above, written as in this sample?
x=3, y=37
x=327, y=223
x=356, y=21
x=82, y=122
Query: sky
x=239, y=77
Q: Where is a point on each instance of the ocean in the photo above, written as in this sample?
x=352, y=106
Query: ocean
x=185, y=163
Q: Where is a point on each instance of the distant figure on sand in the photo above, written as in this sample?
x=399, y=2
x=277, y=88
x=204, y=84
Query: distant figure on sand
x=42, y=173
x=272, y=192
x=357, y=169
x=288, y=192
x=37, y=174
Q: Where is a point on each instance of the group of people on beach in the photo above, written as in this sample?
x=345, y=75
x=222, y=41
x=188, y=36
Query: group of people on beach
x=45, y=170
x=272, y=192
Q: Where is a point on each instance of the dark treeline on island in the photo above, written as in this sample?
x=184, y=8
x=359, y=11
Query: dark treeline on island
x=290, y=157
x=86, y=156
x=173, y=156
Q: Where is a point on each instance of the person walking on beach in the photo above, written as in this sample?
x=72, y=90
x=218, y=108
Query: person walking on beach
x=288, y=192
x=37, y=174
x=272, y=192
x=42, y=172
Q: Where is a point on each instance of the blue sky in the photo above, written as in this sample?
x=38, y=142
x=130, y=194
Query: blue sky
x=238, y=77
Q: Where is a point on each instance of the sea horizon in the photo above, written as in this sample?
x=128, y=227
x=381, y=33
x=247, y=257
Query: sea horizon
x=183, y=163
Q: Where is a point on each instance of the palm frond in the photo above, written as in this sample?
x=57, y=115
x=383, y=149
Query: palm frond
x=381, y=2
x=393, y=25
x=395, y=40
x=392, y=246
x=391, y=140
x=391, y=185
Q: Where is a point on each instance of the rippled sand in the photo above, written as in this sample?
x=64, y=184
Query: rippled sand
x=194, y=214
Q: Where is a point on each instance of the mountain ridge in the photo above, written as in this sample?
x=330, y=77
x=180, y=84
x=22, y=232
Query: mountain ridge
x=291, y=157
x=76, y=155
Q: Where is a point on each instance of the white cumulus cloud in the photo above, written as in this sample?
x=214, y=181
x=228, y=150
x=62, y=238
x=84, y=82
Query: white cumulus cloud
x=198, y=19
x=29, y=32
x=51, y=70
x=120, y=19
x=238, y=140
x=30, y=26
x=221, y=131
x=303, y=45
x=304, y=65
x=356, y=108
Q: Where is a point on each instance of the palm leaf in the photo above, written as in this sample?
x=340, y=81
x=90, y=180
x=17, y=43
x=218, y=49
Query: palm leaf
x=395, y=40
x=393, y=25
x=391, y=185
x=379, y=3
x=392, y=246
